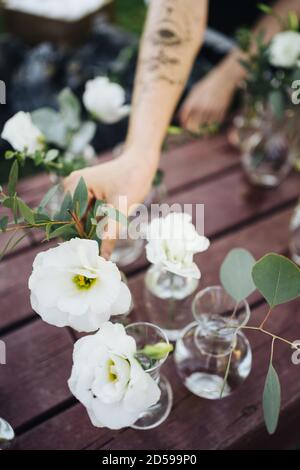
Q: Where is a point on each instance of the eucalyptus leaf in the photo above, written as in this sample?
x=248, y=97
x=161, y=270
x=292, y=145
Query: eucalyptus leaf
x=63, y=231
x=277, y=278
x=69, y=108
x=26, y=212
x=236, y=274
x=67, y=205
x=112, y=213
x=3, y=223
x=271, y=400
x=48, y=196
x=51, y=155
x=13, y=178
x=80, y=198
x=52, y=126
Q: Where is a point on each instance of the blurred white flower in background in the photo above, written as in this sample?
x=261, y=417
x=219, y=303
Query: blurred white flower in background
x=108, y=380
x=71, y=285
x=105, y=100
x=67, y=10
x=172, y=242
x=284, y=50
x=22, y=134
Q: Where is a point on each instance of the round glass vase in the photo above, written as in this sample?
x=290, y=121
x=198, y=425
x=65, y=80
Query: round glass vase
x=6, y=434
x=203, y=350
x=148, y=334
x=268, y=143
x=295, y=235
x=168, y=298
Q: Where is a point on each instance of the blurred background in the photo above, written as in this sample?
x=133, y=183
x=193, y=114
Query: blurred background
x=51, y=44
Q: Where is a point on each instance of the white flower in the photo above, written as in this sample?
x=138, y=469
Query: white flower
x=108, y=380
x=22, y=134
x=71, y=285
x=105, y=100
x=284, y=49
x=173, y=241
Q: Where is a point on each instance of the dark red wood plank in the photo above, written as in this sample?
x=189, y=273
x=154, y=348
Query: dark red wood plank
x=34, y=378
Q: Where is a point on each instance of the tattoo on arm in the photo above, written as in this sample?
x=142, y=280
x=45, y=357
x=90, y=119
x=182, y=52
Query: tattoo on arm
x=166, y=42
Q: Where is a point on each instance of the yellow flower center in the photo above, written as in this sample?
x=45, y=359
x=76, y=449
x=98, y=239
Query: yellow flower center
x=83, y=282
x=111, y=371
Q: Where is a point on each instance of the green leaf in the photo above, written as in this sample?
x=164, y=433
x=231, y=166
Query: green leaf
x=82, y=137
x=3, y=223
x=51, y=155
x=277, y=103
x=13, y=178
x=277, y=278
x=271, y=400
x=265, y=8
x=48, y=196
x=26, y=212
x=11, y=244
x=236, y=274
x=112, y=213
x=158, y=178
x=62, y=231
x=293, y=21
x=174, y=130
x=51, y=125
x=67, y=205
x=69, y=108
x=80, y=198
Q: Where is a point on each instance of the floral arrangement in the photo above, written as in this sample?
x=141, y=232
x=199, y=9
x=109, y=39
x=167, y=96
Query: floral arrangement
x=59, y=140
x=272, y=66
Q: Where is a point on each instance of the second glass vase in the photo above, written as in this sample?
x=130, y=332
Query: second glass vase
x=168, y=299
x=206, y=346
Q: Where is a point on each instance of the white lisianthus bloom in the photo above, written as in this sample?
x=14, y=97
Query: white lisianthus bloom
x=22, y=134
x=105, y=100
x=71, y=285
x=284, y=49
x=108, y=380
x=172, y=242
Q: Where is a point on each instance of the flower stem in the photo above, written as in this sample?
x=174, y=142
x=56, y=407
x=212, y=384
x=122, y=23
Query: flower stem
x=266, y=318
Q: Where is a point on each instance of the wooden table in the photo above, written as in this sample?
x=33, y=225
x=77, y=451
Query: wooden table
x=34, y=396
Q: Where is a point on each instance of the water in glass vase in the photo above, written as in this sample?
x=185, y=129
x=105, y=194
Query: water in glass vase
x=168, y=299
x=204, y=347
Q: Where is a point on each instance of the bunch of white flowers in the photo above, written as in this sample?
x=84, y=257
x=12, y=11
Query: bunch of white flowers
x=284, y=50
x=173, y=241
x=108, y=380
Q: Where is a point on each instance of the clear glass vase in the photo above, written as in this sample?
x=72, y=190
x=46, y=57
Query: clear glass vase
x=168, y=299
x=6, y=434
x=295, y=235
x=269, y=145
x=203, y=350
x=147, y=334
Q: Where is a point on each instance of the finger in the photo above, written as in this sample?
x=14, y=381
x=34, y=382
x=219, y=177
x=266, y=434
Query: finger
x=184, y=113
x=107, y=247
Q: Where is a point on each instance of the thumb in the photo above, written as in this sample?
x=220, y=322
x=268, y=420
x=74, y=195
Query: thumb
x=107, y=247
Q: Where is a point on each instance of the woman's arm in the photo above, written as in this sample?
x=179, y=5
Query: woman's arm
x=210, y=98
x=173, y=34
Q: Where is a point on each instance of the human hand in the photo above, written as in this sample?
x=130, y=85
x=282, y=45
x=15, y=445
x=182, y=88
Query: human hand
x=208, y=101
x=129, y=175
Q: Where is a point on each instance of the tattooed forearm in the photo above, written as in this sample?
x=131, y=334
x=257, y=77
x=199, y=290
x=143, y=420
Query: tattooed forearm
x=172, y=26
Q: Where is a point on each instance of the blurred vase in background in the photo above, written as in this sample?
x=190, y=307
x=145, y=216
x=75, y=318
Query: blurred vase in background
x=6, y=434
x=295, y=235
x=269, y=143
x=206, y=345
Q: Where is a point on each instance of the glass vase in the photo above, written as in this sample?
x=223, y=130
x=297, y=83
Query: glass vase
x=269, y=144
x=168, y=299
x=295, y=235
x=204, y=348
x=147, y=334
x=6, y=434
